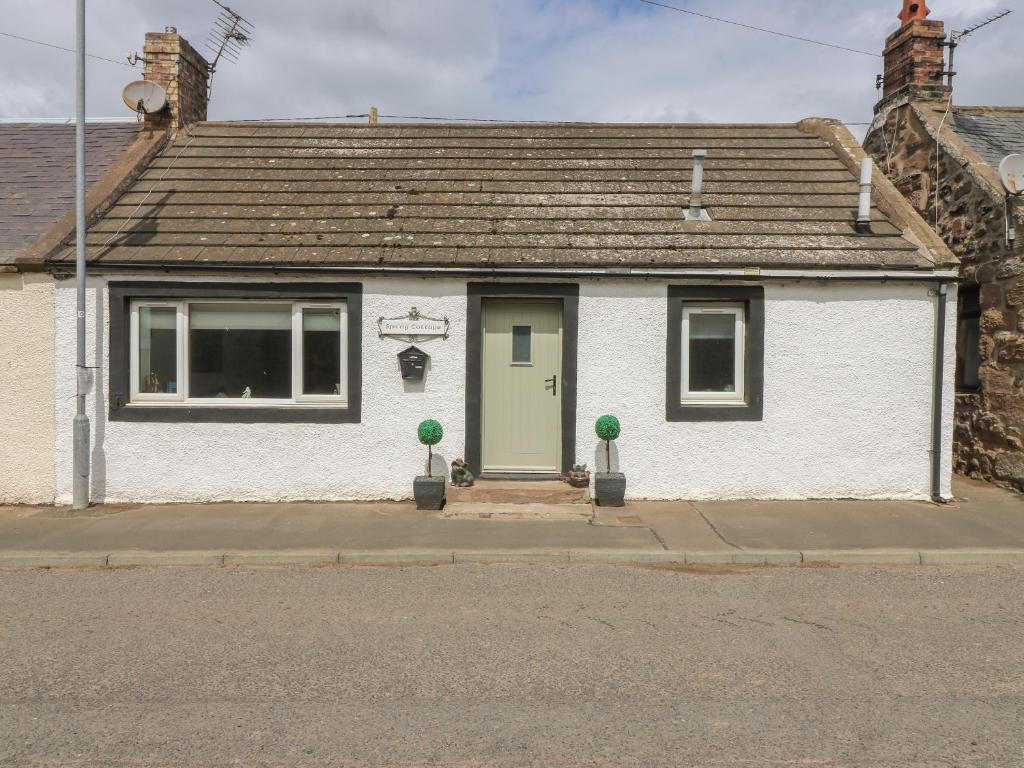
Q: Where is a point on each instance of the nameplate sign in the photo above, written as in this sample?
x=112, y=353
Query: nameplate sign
x=412, y=327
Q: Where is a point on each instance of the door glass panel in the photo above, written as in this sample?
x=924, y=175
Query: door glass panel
x=158, y=350
x=521, y=338
x=240, y=350
x=712, y=353
x=321, y=351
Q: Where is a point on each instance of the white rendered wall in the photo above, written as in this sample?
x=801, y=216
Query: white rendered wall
x=26, y=389
x=376, y=459
x=848, y=384
x=847, y=394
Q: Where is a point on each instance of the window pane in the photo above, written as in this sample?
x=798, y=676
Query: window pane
x=712, y=363
x=321, y=352
x=521, y=344
x=240, y=350
x=158, y=350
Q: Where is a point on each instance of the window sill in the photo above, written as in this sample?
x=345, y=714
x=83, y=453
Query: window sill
x=288, y=413
x=247, y=404
x=721, y=403
x=717, y=411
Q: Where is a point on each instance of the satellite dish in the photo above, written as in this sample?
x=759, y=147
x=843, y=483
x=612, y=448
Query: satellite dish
x=1011, y=171
x=144, y=96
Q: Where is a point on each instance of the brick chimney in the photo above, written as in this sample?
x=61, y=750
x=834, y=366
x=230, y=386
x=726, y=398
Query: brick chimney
x=184, y=74
x=914, y=58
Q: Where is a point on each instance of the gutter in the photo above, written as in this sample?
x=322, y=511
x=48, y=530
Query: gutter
x=751, y=274
x=938, y=378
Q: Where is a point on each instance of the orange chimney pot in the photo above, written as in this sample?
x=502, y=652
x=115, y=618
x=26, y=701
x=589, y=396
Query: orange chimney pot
x=914, y=10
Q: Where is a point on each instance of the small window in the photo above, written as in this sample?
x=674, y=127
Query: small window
x=712, y=354
x=968, y=341
x=714, y=360
x=521, y=343
x=238, y=353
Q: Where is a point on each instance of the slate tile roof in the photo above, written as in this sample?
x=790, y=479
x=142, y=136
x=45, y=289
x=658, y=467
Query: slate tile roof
x=37, y=174
x=499, y=195
x=992, y=132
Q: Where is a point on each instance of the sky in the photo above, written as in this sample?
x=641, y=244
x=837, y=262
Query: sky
x=590, y=60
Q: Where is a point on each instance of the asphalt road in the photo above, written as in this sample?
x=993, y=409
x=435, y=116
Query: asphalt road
x=512, y=666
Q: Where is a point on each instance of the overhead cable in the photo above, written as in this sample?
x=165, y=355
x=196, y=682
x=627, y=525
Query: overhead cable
x=760, y=29
x=62, y=48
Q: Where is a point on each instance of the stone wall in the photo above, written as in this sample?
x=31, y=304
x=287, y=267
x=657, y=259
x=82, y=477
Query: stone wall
x=989, y=436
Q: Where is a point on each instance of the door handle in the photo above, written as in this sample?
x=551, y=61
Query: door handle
x=553, y=381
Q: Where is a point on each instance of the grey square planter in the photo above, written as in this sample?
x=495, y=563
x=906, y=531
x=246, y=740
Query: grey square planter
x=610, y=489
x=429, y=492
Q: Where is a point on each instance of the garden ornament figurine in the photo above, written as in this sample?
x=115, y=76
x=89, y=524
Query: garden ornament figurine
x=461, y=476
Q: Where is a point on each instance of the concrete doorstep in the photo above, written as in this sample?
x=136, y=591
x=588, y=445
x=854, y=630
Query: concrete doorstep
x=990, y=557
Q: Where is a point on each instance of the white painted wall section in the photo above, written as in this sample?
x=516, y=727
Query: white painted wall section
x=847, y=405
x=376, y=459
x=848, y=388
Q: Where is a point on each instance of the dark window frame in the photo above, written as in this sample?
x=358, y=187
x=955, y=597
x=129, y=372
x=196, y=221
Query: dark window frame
x=569, y=293
x=752, y=299
x=120, y=407
x=968, y=308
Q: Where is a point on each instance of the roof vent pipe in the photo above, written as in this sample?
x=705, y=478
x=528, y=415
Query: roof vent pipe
x=864, y=209
x=697, y=212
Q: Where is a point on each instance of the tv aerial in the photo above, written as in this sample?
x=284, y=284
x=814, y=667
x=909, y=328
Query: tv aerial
x=144, y=97
x=956, y=37
x=231, y=32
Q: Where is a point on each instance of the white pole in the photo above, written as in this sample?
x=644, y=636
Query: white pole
x=80, y=487
x=697, y=187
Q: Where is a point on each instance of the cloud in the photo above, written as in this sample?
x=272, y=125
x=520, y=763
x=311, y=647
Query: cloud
x=615, y=60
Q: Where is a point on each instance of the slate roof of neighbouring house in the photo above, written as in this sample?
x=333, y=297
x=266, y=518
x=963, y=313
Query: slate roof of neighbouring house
x=37, y=174
x=992, y=132
x=249, y=193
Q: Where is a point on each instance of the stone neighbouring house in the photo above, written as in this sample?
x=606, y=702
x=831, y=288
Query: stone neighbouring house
x=239, y=291
x=944, y=159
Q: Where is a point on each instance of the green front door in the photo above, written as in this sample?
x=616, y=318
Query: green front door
x=522, y=385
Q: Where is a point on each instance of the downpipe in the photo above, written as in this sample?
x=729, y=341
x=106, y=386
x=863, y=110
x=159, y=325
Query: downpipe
x=938, y=379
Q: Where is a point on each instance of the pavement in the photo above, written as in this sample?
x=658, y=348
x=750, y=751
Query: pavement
x=512, y=666
x=984, y=526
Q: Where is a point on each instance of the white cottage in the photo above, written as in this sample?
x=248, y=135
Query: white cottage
x=274, y=308
x=252, y=292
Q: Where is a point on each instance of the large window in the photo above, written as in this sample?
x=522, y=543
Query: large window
x=715, y=354
x=235, y=352
x=242, y=352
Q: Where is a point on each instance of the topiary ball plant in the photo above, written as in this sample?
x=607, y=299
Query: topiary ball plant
x=430, y=433
x=608, y=429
